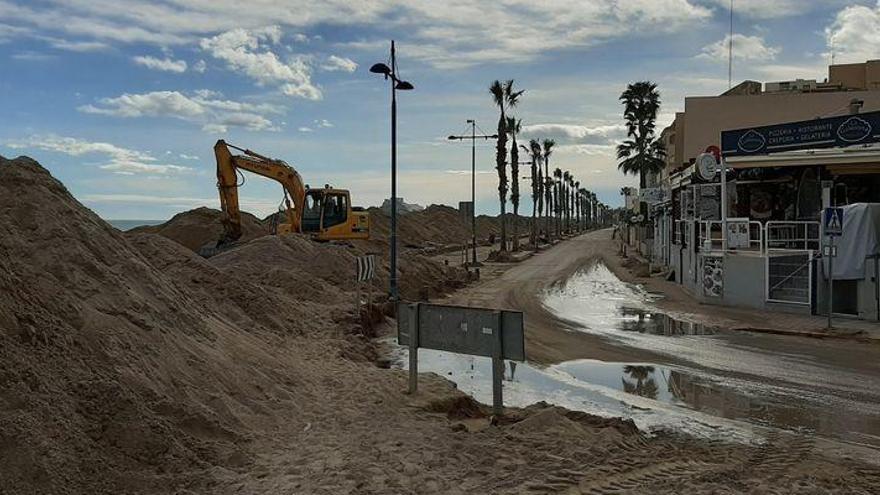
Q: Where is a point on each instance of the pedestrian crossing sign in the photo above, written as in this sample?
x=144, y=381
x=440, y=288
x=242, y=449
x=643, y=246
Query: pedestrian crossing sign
x=833, y=221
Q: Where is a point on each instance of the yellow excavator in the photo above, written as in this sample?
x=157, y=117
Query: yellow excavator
x=324, y=213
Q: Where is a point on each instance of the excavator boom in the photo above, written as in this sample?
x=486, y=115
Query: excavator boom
x=227, y=182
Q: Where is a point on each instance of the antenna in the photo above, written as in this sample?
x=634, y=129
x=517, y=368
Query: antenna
x=832, y=49
x=730, y=50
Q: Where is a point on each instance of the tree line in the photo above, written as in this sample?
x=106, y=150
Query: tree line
x=560, y=206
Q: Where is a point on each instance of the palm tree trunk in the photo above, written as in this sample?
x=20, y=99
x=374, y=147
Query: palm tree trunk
x=534, y=204
x=547, y=197
x=501, y=164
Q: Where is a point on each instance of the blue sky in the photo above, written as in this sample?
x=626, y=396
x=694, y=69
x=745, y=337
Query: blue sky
x=123, y=100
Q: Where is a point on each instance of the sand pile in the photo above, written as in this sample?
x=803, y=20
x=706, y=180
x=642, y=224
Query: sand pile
x=438, y=225
x=128, y=363
x=201, y=226
x=299, y=267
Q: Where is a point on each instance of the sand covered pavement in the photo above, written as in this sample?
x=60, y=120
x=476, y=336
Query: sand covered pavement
x=129, y=364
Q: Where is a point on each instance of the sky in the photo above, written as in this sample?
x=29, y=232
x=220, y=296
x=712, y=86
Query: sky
x=123, y=100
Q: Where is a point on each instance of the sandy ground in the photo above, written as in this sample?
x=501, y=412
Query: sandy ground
x=128, y=364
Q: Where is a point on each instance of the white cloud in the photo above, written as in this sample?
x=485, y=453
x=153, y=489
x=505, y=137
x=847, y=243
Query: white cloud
x=30, y=56
x=200, y=66
x=744, y=48
x=590, y=149
x=248, y=51
x=855, y=34
x=453, y=33
x=162, y=64
x=188, y=157
x=762, y=9
x=202, y=107
x=8, y=32
x=215, y=128
x=334, y=63
x=120, y=160
x=573, y=132
x=317, y=124
x=78, y=46
x=461, y=33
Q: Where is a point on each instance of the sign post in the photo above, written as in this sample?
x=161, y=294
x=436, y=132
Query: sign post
x=497, y=334
x=833, y=227
x=413, y=347
x=497, y=367
x=366, y=271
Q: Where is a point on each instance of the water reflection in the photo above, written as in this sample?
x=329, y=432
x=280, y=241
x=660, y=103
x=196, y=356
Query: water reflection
x=641, y=381
x=646, y=321
x=637, y=391
x=657, y=396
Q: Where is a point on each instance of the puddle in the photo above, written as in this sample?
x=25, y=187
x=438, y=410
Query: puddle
x=764, y=380
x=636, y=391
x=654, y=323
x=714, y=383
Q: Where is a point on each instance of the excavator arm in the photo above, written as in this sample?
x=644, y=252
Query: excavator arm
x=227, y=182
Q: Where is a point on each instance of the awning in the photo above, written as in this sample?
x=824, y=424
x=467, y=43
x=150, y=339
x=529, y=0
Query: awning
x=853, y=160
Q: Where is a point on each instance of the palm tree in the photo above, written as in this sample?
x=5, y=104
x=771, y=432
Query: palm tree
x=534, y=151
x=514, y=125
x=595, y=203
x=641, y=153
x=644, y=385
x=566, y=178
x=571, y=193
x=504, y=97
x=557, y=200
x=577, y=199
x=548, y=184
x=585, y=199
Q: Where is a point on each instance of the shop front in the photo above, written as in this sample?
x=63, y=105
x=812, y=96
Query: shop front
x=756, y=240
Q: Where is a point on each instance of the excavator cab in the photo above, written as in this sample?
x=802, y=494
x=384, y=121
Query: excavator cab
x=328, y=214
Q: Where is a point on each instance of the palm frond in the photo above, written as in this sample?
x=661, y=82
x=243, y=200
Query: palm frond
x=497, y=91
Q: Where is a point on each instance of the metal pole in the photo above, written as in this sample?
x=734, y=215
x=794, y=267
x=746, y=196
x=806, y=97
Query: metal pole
x=830, y=278
x=413, y=348
x=730, y=50
x=394, y=294
x=474, y=189
x=877, y=283
x=723, y=205
x=497, y=368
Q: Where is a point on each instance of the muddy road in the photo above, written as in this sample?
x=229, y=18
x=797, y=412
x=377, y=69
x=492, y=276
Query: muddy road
x=599, y=343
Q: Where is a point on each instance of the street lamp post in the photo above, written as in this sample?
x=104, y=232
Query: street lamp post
x=473, y=137
x=396, y=83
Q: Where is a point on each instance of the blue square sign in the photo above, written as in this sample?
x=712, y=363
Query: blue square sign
x=833, y=221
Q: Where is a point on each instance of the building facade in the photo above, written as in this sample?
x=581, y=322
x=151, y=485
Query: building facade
x=765, y=251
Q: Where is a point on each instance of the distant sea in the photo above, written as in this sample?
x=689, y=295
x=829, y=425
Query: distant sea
x=130, y=224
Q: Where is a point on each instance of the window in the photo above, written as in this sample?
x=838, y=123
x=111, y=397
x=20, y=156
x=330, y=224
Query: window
x=335, y=209
x=311, y=215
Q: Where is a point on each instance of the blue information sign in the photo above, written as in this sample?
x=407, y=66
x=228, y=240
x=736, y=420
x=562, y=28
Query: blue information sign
x=808, y=134
x=833, y=221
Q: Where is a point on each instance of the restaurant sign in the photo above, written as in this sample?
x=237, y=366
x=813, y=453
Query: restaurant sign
x=832, y=132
